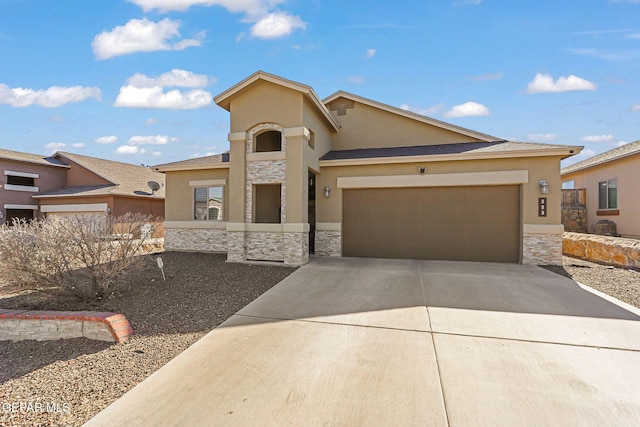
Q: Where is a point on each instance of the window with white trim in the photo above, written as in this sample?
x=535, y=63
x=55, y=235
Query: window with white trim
x=208, y=203
x=21, y=181
x=608, y=194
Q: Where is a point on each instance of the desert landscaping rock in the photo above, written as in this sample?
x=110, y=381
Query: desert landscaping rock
x=201, y=291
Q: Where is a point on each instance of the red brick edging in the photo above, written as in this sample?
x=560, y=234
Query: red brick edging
x=117, y=324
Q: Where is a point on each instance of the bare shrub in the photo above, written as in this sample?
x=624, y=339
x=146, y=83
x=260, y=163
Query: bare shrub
x=84, y=255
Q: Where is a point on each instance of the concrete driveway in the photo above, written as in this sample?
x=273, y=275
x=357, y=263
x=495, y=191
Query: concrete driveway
x=370, y=342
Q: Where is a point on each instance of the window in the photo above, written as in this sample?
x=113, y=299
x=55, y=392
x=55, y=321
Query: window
x=608, y=194
x=208, y=203
x=270, y=140
x=569, y=185
x=21, y=180
x=267, y=203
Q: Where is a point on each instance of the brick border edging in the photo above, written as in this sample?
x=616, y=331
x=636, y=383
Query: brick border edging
x=117, y=324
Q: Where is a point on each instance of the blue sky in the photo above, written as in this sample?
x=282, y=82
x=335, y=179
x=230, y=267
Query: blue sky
x=132, y=80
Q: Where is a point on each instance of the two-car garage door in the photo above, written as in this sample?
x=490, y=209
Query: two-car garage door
x=476, y=223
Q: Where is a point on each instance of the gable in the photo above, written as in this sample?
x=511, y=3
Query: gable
x=367, y=124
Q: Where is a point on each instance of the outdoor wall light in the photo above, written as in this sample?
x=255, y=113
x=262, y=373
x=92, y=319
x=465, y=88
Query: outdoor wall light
x=422, y=170
x=544, y=187
x=327, y=191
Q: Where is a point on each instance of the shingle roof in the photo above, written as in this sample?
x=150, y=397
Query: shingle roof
x=128, y=179
x=608, y=156
x=198, y=161
x=429, y=150
x=31, y=158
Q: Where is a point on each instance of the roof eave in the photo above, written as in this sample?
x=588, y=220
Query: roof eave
x=486, y=155
x=600, y=163
x=162, y=169
x=412, y=115
x=224, y=98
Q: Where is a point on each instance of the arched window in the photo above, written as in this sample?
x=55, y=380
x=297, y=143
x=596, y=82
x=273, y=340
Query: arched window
x=270, y=140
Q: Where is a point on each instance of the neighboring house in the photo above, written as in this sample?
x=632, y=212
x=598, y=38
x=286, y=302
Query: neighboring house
x=70, y=184
x=24, y=175
x=348, y=176
x=611, y=181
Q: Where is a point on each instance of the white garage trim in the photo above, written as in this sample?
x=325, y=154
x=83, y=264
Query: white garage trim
x=436, y=180
x=88, y=207
x=32, y=207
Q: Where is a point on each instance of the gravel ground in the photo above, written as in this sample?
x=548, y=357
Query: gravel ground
x=620, y=283
x=83, y=376
x=201, y=291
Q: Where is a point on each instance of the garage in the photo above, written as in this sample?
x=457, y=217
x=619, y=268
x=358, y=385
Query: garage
x=470, y=223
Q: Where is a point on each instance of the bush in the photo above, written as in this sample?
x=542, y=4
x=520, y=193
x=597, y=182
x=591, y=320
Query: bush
x=84, y=255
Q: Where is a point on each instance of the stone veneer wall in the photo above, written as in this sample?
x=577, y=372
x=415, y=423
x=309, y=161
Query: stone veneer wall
x=296, y=248
x=542, y=249
x=610, y=250
x=328, y=243
x=18, y=325
x=265, y=246
x=195, y=239
x=266, y=172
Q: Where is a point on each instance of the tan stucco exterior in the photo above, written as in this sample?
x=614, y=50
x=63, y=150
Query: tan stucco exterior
x=310, y=129
x=627, y=172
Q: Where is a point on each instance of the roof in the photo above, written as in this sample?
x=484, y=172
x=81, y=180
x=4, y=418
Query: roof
x=411, y=115
x=207, y=162
x=31, y=158
x=606, y=157
x=457, y=151
x=224, y=99
x=127, y=179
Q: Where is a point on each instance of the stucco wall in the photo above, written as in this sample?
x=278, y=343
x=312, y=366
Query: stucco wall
x=627, y=172
x=50, y=178
x=366, y=127
x=179, y=194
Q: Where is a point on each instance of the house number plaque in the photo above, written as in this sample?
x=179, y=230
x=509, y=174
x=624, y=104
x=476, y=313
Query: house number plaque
x=542, y=206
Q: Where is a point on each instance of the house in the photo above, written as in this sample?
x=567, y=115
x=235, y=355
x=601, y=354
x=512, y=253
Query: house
x=69, y=184
x=611, y=181
x=349, y=176
x=24, y=175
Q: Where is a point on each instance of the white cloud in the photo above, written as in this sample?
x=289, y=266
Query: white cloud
x=543, y=83
x=52, y=147
x=106, y=139
x=155, y=97
x=542, y=136
x=78, y=145
x=151, y=140
x=430, y=111
x=468, y=109
x=156, y=153
x=371, y=53
x=635, y=108
x=621, y=143
x=175, y=77
x=150, y=121
x=268, y=23
x=251, y=7
x=597, y=138
x=129, y=149
x=276, y=24
x=354, y=79
x=141, y=35
x=53, y=97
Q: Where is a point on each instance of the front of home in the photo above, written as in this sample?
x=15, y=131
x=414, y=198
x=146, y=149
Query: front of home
x=348, y=176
